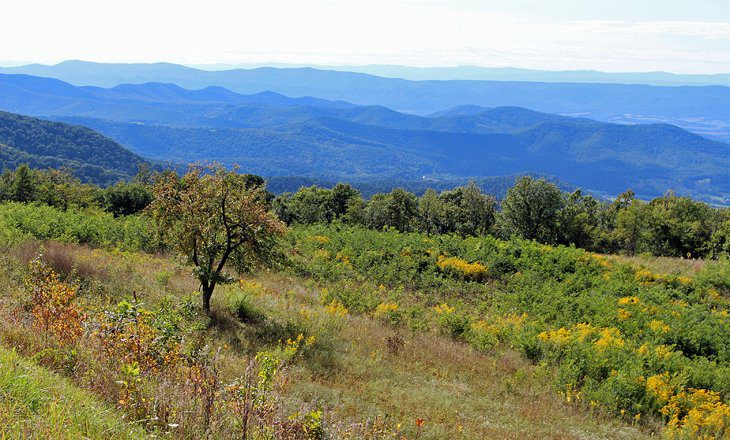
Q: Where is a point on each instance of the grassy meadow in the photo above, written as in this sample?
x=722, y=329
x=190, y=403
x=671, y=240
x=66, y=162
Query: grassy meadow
x=355, y=334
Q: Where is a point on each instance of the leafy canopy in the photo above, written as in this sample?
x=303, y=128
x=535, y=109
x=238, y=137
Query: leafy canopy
x=214, y=218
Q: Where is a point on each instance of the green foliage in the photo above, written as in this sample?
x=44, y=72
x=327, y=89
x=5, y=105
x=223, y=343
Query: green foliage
x=397, y=209
x=75, y=225
x=716, y=276
x=307, y=206
x=464, y=210
x=531, y=210
x=241, y=305
x=671, y=226
x=126, y=198
x=53, y=187
x=720, y=240
x=578, y=220
x=215, y=218
x=319, y=205
x=37, y=402
x=467, y=211
x=603, y=326
x=44, y=144
x=23, y=185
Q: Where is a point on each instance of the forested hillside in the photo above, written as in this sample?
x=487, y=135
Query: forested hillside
x=601, y=157
x=701, y=109
x=272, y=135
x=45, y=144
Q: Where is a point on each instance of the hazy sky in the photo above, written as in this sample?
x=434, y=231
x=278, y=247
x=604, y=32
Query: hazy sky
x=611, y=35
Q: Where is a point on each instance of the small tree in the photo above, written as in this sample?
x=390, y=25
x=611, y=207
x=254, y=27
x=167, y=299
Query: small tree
x=342, y=196
x=578, y=220
x=531, y=209
x=397, y=209
x=24, y=186
x=468, y=210
x=126, y=198
x=214, y=217
x=432, y=213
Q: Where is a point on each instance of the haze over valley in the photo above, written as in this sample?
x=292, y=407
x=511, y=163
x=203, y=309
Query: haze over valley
x=312, y=123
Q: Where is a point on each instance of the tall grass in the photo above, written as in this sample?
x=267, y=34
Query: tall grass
x=35, y=403
x=609, y=330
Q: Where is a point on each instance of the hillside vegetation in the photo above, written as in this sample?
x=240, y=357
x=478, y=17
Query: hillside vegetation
x=339, y=140
x=361, y=333
x=38, y=404
x=277, y=355
x=45, y=144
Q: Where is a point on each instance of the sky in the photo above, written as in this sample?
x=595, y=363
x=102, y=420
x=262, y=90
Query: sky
x=681, y=36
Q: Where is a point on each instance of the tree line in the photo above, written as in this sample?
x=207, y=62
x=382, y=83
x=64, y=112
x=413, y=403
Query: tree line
x=533, y=208
x=60, y=188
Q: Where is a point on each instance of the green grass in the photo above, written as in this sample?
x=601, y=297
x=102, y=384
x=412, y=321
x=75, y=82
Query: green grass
x=464, y=333
x=36, y=403
x=608, y=329
x=367, y=369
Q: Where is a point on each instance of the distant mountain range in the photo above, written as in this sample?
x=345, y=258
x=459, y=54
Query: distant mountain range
x=273, y=135
x=480, y=73
x=45, y=144
x=703, y=110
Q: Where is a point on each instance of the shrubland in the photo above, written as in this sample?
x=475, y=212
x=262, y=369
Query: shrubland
x=279, y=357
x=637, y=343
x=368, y=332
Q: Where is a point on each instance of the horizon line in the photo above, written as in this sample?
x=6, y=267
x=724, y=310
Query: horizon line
x=223, y=65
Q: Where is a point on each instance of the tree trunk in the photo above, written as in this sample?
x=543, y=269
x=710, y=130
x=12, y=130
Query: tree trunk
x=207, y=293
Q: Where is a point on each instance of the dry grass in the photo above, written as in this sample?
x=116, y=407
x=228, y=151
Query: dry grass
x=459, y=392
x=664, y=265
x=371, y=379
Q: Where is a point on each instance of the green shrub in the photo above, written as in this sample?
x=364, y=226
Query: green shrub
x=602, y=326
x=242, y=306
x=75, y=225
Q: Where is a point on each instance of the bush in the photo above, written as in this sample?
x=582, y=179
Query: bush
x=75, y=225
x=602, y=326
x=241, y=305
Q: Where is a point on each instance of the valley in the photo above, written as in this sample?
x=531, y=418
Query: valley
x=276, y=136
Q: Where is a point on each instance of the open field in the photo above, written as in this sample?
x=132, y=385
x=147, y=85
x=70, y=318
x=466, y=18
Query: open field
x=366, y=334
x=369, y=378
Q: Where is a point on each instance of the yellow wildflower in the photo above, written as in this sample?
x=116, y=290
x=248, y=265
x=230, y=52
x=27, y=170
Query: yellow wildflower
x=560, y=336
x=443, y=309
x=628, y=300
x=610, y=337
x=384, y=309
x=468, y=270
x=336, y=308
x=658, y=326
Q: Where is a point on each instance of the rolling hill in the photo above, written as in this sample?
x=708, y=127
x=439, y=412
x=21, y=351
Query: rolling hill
x=700, y=109
x=273, y=135
x=43, y=144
